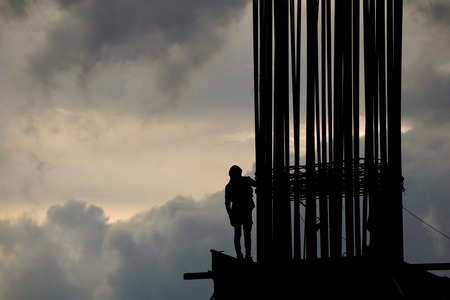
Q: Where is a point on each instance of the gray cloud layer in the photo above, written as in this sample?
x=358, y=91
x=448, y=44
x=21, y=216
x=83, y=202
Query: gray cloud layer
x=427, y=80
x=435, y=12
x=12, y=9
x=426, y=109
x=176, y=37
x=77, y=254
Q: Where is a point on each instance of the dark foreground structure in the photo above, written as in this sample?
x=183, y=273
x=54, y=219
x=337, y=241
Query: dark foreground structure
x=356, y=278
x=328, y=158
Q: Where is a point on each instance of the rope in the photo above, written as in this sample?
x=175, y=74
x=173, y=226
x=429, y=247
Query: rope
x=434, y=228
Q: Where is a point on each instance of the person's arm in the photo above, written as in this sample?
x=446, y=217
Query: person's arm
x=228, y=206
x=227, y=201
x=250, y=181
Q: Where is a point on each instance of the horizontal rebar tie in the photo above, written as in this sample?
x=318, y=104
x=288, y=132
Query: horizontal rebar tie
x=332, y=178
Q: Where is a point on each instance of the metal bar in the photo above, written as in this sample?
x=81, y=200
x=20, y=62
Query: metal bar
x=268, y=123
x=394, y=46
x=336, y=199
x=295, y=71
x=256, y=83
x=381, y=58
x=323, y=80
x=264, y=165
x=317, y=110
x=347, y=106
x=368, y=142
x=299, y=43
x=323, y=198
x=199, y=275
x=433, y=266
x=376, y=75
x=381, y=45
x=281, y=203
x=310, y=214
x=329, y=81
x=356, y=184
x=398, y=185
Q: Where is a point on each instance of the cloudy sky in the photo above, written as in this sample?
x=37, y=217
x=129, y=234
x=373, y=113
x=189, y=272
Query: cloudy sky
x=119, y=121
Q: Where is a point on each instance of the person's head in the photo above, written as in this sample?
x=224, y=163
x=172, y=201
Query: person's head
x=235, y=172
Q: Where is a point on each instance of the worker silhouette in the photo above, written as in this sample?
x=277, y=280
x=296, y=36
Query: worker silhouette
x=239, y=204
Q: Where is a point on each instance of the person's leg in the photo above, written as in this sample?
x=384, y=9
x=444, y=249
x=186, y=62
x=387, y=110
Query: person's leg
x=248, y=240
x=237, y=241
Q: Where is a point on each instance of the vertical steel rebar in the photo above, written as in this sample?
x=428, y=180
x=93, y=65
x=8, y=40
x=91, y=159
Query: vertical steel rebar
x=364, y=186
x=295, y=76
x=310, y=210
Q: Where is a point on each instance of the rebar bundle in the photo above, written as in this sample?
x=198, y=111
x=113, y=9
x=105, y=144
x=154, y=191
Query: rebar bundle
x=346, y=177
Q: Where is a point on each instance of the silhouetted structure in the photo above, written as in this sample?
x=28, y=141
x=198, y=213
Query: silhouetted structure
x=348, y=188
x=342, y=278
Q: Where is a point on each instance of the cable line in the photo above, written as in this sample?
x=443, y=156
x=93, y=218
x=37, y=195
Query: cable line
x=435, y=229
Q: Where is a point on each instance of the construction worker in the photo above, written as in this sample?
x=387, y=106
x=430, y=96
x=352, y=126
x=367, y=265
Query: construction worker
x=239, y=204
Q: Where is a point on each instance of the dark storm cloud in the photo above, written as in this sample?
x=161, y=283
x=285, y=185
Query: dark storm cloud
x=155, y=248
x=426, y=109
x=435, y=12
x=30, y=267
x=427, y=80
x=426, y=93
x=426, y=171
x=11, y=9
x=85, y=224
x=177, y=37
x=76, y=254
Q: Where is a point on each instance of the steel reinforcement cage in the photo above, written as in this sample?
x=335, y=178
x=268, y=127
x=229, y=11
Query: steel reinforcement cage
x=326, y=180
x=341, y=113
